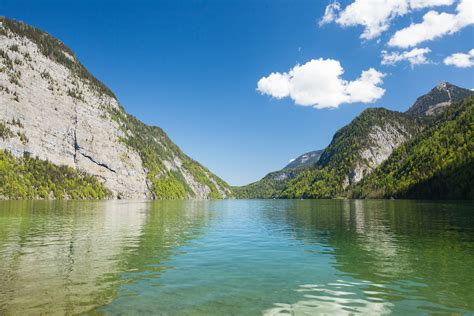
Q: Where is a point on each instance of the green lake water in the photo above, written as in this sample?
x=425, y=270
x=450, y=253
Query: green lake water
x=270, y=257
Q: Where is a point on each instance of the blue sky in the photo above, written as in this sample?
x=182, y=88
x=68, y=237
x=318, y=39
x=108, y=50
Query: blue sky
x=192, y=67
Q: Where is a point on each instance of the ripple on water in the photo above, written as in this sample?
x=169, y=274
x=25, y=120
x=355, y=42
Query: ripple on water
x=236, y=257
x=334, y=298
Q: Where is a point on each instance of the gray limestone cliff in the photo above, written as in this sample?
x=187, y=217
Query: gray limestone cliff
x=359, y=147
x=59, y=112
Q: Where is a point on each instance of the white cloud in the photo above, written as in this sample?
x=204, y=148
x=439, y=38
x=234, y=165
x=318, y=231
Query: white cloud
x=420, y=4
x=318, y=83
x=461, y=60
x=435, y=25
x=330, y=13
x=374, y=15
x=416, y=56
x=276, y=84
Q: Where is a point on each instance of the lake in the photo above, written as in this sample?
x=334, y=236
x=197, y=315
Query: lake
x=236, y=257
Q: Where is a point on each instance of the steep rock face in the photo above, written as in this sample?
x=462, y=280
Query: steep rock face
x=436, y=164
x=383, y=140
x=59, y=112
x=438, y=99
x=354, y=152
x=366, y=145
x=358, y=148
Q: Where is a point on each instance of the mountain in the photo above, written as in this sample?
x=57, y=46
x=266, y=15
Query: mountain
x=305, y=160
x=275, y=182
x=361, y=149
x=438, y=99
x=437, y=164
x=53, y=109
x=268, y=187
x=354, y=152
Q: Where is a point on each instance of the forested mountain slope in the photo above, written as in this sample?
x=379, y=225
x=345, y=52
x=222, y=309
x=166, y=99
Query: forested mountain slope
x=378, y=134
x=354, y=152
x=438, y=164
x=275, y=182
x=33, y=178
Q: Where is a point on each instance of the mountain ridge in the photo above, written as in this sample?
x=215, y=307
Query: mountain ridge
x=68, y=117
x=57, y=119
x=437, y=99
x=438, y=164
x=360, y=148
x=354, y=152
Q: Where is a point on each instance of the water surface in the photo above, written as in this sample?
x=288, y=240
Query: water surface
x=237, y=257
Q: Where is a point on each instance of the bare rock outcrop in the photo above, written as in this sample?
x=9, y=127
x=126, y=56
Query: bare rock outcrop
x=58, y=112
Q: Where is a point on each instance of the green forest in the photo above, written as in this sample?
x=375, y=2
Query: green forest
x=150, y=142
x=154, y=146
x=268, y=187
x=326, y=178
x=32, y=178
x=437, y=161
x=438, y=164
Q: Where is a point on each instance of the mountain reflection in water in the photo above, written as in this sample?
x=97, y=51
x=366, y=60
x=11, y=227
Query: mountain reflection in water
x=236, y=257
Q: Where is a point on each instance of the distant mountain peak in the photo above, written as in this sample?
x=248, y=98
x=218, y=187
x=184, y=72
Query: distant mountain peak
x=444, y=85
x=438, y=99
x=305, y=160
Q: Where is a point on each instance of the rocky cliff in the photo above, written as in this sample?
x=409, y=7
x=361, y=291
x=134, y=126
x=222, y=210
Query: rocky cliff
x=363, y=146
x=56, y=110
x=438, y=99
x=436, y=164
x=354, y=152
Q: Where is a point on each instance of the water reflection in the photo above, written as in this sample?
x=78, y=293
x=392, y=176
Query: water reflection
x=68, y=257
x=236, y=257
x=418, y=254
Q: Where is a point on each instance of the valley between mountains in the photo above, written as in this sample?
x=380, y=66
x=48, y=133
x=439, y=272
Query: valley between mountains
x=64, y=135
